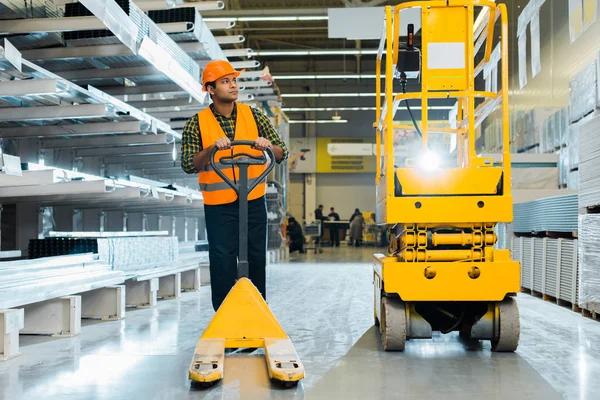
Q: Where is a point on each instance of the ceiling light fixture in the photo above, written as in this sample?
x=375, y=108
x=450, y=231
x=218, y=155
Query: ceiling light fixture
x=341, y=76
x=332, y=52
x=316, y=109
x=268, y=18
x=319, y=121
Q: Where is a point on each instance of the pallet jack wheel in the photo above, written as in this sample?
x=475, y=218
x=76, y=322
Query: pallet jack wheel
x=202, y=385
x=510, y=327
x=285, y=384
x=393, y=324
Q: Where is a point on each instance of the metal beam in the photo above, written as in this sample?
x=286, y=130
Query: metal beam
x=127, y=150
x=220, y=25
x=141, y=89
x=264, y=12
x=255, y=84
x=28, y=87
x=152, y=165
x=163, y=103
x=117, y=159
x=233, y=39
x=53, y=112
x=89, y=74
x=146, y=5
x=107, y=50
x=166, y=115
x=71, y=129
x=104, y=141
x=68, y=24
x=157, y=171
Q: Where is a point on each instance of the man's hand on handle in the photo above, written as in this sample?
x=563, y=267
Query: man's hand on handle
x=223, y=143
x=262, y=144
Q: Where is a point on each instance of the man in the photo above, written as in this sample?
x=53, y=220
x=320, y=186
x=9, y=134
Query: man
x=334, y=236
x=215, y=127
x=295, y=235
x=319, y=217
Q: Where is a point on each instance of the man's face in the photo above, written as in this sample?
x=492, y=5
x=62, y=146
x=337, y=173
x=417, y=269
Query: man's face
x=226, y=89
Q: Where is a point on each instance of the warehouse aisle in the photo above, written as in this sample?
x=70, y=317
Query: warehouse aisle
x=325, y=303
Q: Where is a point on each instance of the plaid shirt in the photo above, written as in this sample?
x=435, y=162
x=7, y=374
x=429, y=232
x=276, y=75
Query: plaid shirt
x=191, y=141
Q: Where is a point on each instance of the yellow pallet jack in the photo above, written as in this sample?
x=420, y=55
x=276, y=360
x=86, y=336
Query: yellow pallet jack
x=244, y=319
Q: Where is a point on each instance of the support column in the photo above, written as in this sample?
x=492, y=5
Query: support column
x=141, y=294
x=11, y=321
x=190, y=280
x=205, y=274
x=169, y=287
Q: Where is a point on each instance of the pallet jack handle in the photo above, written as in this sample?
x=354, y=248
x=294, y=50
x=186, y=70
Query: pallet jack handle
x=242, y=161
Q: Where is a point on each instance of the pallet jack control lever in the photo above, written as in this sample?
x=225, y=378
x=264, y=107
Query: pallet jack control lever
x=243, y=188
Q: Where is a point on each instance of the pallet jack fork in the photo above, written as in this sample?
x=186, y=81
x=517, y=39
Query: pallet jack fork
x=244, y=319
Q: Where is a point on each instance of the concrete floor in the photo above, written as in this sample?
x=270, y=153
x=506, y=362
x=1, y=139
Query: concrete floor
x=324, y=302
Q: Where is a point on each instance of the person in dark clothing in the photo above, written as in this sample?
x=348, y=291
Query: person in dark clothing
x=333, y=230
x=319, y=217
x=294, y=232
x=356, y=212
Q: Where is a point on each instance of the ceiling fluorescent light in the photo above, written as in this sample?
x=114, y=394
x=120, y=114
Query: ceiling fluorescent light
x=315, y=109
x=333, y=52
x=319, y=121
x=343, y=76
x=268, y=18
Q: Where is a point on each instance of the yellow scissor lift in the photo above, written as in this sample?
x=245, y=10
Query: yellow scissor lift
x=442, y=272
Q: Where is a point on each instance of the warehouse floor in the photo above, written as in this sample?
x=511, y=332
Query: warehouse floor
x=325, y=304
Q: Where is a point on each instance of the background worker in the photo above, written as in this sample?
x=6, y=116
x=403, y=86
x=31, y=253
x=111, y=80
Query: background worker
x=295, y=236
x=356, y=229
x=319, y=217
x=334, y=236
x=215, y=127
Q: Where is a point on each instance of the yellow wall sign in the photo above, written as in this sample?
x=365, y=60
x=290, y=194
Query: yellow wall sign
x=327, y=163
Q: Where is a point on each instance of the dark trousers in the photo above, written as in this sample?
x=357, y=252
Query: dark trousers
x=334, y=237
x=297, y=245
x=222, y=228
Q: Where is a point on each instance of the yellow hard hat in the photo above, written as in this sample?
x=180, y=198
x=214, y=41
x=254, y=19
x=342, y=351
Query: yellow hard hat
x=215, y=70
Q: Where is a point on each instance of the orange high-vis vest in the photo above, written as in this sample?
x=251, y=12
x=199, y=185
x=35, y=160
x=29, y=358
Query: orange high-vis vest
x=214, y=190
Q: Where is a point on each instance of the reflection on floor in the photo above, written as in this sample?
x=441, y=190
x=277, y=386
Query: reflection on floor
x=324, y=302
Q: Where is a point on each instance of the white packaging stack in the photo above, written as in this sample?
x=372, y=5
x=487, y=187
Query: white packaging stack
x=134, y=253
x=563, y=166
x=584, y=91
x=551, y=214
x=589, y=162
x=560, y=123
x=589, y=261
x=573, y=144
x=573, y=180
x=30, y=281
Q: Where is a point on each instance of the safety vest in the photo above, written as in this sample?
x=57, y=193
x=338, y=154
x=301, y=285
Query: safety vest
x=214, y=189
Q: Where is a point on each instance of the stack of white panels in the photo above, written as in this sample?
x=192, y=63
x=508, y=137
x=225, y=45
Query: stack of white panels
x=32, y=281
x=135, y=253
x=539, y=260
x=589, y=254
x=527, y=262
x=552, y=265
x=551, y=214
x=589, y=162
